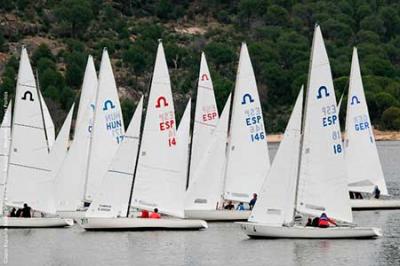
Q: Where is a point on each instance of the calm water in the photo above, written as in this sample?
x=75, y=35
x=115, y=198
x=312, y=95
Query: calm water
x=221, y=244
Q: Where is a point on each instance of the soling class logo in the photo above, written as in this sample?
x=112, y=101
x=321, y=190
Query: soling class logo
x=108, y=104
x=321, y=90
x=26, y=94
x=162, y=100
x=354, y=100
x=204, y=77
x=247, y=96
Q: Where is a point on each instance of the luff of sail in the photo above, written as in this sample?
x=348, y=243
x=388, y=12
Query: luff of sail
x=206, y=116
x=5, y=141
x=28, y=163
x=111, y=200
x=108, y=128
x=364, y=168
x=275, y=204
x=248, y=157
x=71, y=177
x=206, y=187
x=322, y=182
x=159, y=172
x=48, y=123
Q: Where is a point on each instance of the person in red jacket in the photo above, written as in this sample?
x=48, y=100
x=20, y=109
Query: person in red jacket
x=325, y=221
x=144, y=214
x=155, y=214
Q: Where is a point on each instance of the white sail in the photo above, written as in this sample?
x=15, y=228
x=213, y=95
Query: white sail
x=322, y=184
x=108, y=128
x=5, y=138
x=205, y=118
x=158, y=173
x=28, y=163
x=248, y=158
x=206, y=188
x=60, y=147
x=71, y=177
x=48, y=122
x=277, y=195
x=364, y=168
x=111, y=200
x=182, y=145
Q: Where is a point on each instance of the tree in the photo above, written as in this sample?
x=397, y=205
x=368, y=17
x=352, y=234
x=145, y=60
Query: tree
x=77, y=14
x=391, y=118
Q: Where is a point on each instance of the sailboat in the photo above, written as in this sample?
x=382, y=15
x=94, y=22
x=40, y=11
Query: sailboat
x=70, y=178
x=246, y=160
x=159, y=182
x=205, y=118
x=308, y=176
x=28, y=169
x=364, y=169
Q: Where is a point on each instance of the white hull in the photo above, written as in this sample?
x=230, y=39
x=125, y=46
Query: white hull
x=71, y=214
x=256, y=230
x=14, y=222
x=90, y=223
x=217, y=215
x=374, y=204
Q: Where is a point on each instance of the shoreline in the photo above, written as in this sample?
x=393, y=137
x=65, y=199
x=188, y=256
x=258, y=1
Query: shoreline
x=379, y=136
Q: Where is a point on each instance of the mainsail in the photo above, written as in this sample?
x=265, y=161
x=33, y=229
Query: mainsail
x=364, y=168
x=158, y=174
x=248, y=158
x=206, y=116
x=322, y=182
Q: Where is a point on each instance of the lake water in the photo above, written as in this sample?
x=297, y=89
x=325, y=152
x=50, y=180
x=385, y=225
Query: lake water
x=220, y=244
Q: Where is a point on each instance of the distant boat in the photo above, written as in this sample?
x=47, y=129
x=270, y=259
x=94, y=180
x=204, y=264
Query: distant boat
x=160, y=176
x=364, y=168
x=71, y=176
x=308, y=176
x=28, y=173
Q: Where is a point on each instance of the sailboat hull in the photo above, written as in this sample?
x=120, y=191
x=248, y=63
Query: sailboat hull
x=16, y=222
x=217, y=215
x=255, y=230
x=71, y=214
x=374, y=204
x=90, y=223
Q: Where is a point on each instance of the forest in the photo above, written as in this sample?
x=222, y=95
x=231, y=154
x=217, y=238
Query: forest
x=60, y=35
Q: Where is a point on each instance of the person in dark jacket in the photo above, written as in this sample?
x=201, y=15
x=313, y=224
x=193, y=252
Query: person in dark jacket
x=26, y=211
x=253, y=201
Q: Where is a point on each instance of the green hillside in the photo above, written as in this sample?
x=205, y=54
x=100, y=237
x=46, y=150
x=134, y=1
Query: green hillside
x=60, y=34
